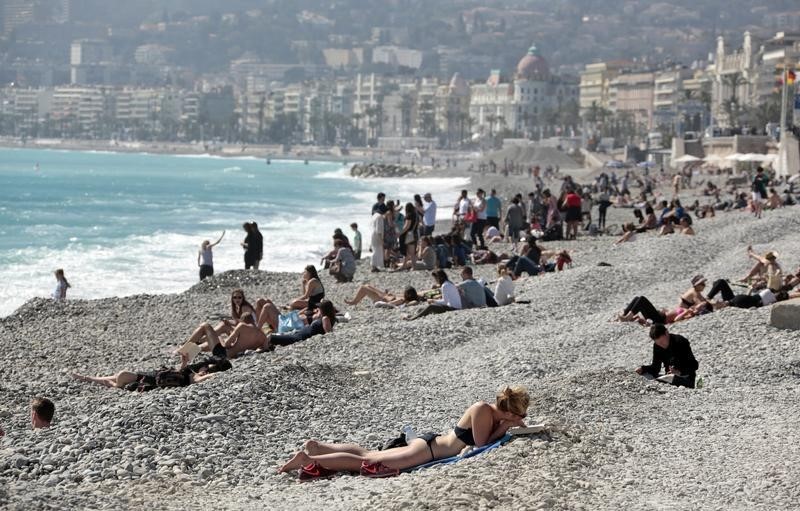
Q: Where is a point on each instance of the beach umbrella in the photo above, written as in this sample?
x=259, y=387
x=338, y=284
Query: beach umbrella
x=614, y=164
x=686, y=158
x=734, y=157
x=713, y=158
x=646, y=164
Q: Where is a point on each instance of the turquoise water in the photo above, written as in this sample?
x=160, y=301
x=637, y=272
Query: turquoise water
x=122, y=224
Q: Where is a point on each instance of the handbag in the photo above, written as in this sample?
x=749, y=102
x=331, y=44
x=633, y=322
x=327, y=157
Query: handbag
x=471, y=217
x=289, y=322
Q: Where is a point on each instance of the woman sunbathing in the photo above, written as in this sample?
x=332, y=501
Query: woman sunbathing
x=765, y=267
x=313, y=293
x=322, y=323
x=182, y=376
x=481, y=424
x=409, y=296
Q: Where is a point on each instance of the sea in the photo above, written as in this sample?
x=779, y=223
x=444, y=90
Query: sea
x=121, y=224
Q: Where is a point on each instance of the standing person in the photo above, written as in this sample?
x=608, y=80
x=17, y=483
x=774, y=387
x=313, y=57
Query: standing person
x=205, y=257
x=376, y=242
x=429, y=215
x=572, y=203
x=409, y=237
x=258, y=245
x=476, y=231
x=60, y=293
x=42, y=412
x=515, y=219
x=760, y=182
x=493, y=208
x=356, y=240
x=603, y=202
x=551, y=203
x=247, y=246
x=462, y=206
x=380, y=205
x=673, y=352
x=419, y=207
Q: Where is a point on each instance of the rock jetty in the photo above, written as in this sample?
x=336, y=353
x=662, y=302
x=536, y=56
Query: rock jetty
x=382, y=170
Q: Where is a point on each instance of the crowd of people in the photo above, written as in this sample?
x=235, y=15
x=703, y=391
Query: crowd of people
x=404, y=238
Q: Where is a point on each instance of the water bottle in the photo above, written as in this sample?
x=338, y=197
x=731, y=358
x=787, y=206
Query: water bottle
x=409, y=433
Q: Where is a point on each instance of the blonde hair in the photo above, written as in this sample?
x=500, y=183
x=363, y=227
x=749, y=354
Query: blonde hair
x=514, y=400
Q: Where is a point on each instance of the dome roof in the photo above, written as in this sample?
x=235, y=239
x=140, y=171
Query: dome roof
x=533, y=66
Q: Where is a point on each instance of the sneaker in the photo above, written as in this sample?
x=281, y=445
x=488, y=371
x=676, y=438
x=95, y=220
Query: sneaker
x=375, y=470
x=314, y=471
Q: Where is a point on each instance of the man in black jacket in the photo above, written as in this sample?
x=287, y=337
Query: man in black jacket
x=675, y=354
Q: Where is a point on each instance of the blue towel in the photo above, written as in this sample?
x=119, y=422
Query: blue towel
x=453, y=459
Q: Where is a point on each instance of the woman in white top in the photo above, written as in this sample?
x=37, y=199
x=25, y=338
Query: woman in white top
x=504, y=290
x=60, y=293
x=205, y=257
x=450, y=301
x=377, y=242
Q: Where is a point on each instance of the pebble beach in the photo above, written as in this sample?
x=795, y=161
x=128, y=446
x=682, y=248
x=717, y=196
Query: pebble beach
x=614, y=440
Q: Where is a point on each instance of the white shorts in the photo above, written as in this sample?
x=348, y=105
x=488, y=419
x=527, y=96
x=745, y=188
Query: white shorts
x=756, y=197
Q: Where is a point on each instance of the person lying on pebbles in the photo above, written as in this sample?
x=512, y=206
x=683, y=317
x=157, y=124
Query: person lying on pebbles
x=481, y=424
x=641, y=310
x=746, y=301
x=674, y=352
x=321, y=323
x=488, y=257
x=408, y=297
x=182, y=376
x=450, y=301
x=246, y=336
x=313, y=293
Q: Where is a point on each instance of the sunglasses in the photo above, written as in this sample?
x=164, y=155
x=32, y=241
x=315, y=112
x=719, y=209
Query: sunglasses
x=238, y=297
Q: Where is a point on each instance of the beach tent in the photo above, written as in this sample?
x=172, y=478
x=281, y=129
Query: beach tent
x=646, y=164
x=614, y=164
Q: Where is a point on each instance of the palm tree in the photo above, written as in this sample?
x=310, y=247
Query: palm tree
x=731, y=105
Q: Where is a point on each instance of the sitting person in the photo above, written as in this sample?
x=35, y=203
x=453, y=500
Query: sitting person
x=628, y=234
x=42, y=412
x=766, y=266
x=182, y=376
x=685, y=226
x=529, y=260
x=450, y=301
x=246, y=336
x=322, y=323
x=313, y=293
x=774, y=201
x=473, y=294
x=675, y=354
x=409, y=296
x=481, y=424
x=426, y=258
x=493, y=234
x=240, y=309
x=343, y=265
x=504, y=289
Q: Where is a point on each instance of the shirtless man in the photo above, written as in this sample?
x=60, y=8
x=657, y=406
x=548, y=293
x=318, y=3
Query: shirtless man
x=245, y=336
